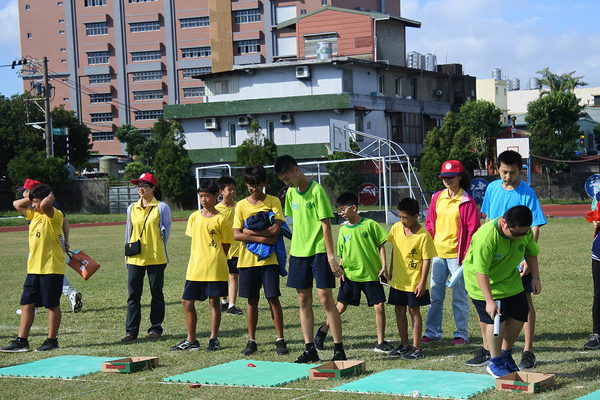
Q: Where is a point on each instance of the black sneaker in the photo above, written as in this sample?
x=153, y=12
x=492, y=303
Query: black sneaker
x=251, y=347
x=399, y=351
x=224, y=307
x=481, y=359
x=308, y=356
x=527, y=360
x=281, y=347
x=413, y=354
x=16, y=347
x=186, y=345
x=213, y=345
x=339, y=355
x=319, y=339
x=593, y=343
x=233, y=310
x=49, y=344
x=383, y=347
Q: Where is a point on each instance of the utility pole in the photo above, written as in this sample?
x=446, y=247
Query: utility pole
x=47, y=110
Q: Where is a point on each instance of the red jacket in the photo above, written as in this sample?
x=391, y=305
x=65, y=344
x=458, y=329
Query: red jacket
x=468, y=224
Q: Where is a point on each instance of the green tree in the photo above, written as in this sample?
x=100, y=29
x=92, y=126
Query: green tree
x=15, y=135
x=597, y=136
x=131, y=136
x=79, y=137
x=134, y=169
x=559, y=83
x=449, y=142
x=481, y=119
x=342, y=176
x=256, y=150
x=552, y=121
x=148, y=149
x=173, y=167
x=33, y=164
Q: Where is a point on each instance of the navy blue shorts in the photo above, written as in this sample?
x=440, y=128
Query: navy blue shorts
x=402, y=298
x=253, y=278
x=350, y=292
x=196, y=290
x=515, y=306
x=232, y=265
x=42, y=290
x=304, y=269
x=527, y=279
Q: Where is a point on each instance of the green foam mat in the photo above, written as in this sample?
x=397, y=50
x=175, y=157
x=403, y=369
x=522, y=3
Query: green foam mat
x=65, y=367
x=592, y=396
x=444, y=384
x=238, y=373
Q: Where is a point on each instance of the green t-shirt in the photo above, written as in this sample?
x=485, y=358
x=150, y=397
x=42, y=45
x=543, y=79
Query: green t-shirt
x=307, y=209
x=358, y=246
x=495, y=255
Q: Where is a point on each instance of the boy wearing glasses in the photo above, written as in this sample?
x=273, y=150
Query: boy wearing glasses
x=362, y=254
x=500, y=195
x=490, y=275
x=255, y=272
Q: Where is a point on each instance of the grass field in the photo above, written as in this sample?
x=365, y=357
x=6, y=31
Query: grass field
x=563, y=325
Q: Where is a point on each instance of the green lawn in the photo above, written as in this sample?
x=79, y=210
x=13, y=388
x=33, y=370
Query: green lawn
x=563, y=325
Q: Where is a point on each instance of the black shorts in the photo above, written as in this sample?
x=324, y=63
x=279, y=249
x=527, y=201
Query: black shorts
x=402, y=298
x=527, y=279
x=515, y=306
x=232, y=265
x=196, y=290
x=253, y=278
x=304, y=269
x=350, y=292
x=42, y=290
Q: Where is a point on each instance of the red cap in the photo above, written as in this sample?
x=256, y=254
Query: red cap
x=29, y=184
x=451, y=168
x=145, y=177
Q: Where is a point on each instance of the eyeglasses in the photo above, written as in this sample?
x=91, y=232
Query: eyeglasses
x=143, y=187
x=255, y=187
x=517, y=234
x=344, y=210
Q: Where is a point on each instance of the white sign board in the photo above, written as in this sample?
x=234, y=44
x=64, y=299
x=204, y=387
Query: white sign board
x=339, y=139
x=520, y=145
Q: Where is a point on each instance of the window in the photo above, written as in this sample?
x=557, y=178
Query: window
x=61, y=21
x=61, y=32
x=141, y=1
x=347, y=80
x=188, y=73
x=29, y=36
x=65, y=99
x=146, y=56
x=65, y=80
x=302, y=12
x=323, y=2
x=99, y=79
x=144, y=26
x=380, y=84
x=63, y=50
x=232, y=135
x=271, y=131
x=194, y=22
x=102, y=136
x=98, y=57
x=147, y=76
x=310, y=43
x=359, y=125
x=148, y=114
x=145, y=132
x=102, y=117
x=248, y=46
x=413, y=89
x=195, y=52
x=100, y=98
x=193, y=92
x=60, y=3
x=96, y=29
x=148, y=95
x=412, y=132
x=222, y=87
x=63, y=61
x=95, y=3
x=246, y=16
x=27, y=7
x=397, y=87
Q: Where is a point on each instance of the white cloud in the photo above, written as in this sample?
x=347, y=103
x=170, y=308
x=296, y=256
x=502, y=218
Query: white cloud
x=9, y=21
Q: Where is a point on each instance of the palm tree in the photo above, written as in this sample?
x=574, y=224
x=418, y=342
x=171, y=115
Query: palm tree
x=559, y=83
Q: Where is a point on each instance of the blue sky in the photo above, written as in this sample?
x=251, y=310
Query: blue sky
x=519, y=36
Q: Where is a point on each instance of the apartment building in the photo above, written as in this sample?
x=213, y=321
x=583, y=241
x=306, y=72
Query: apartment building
x=117, y=62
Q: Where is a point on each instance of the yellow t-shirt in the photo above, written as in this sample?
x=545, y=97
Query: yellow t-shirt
x=229, y=213
x=153, y=247
x=408, y=254
x=244, y=210
x=208, y=261
x=446, y=225
x=45, y=251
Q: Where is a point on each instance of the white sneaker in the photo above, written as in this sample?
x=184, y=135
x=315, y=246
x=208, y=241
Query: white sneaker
x=75, y=299
x=19, y=311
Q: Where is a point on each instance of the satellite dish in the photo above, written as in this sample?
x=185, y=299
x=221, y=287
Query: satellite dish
x=71, y=170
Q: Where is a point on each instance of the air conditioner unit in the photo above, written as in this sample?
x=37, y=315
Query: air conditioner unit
x=302, y=72
x=437, y=92
x=285, y=118
x=243, y=121
x=210, y=123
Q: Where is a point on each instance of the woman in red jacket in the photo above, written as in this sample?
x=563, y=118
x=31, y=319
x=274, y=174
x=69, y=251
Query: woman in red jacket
x=452, y=219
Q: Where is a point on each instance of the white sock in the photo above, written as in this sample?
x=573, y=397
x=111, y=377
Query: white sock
x=223, y=301
x=231, y=305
